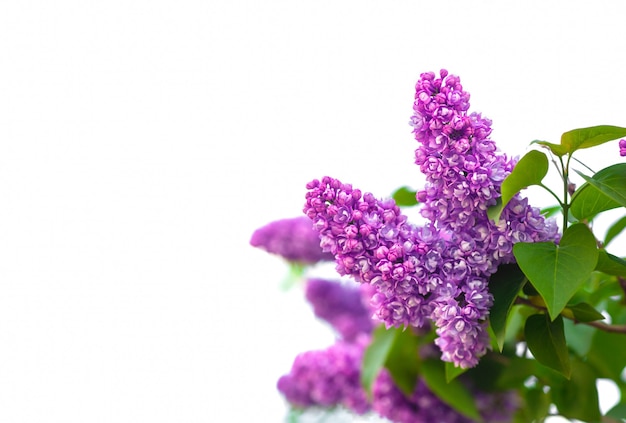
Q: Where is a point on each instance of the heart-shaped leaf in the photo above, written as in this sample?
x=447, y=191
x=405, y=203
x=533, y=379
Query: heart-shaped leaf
x=546, y=340
x=557, y=271
x=530, y=170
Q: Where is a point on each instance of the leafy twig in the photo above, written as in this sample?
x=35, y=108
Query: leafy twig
x=596, y=324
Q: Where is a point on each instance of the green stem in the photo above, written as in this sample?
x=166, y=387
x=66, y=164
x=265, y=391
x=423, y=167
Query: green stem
x=565, y=203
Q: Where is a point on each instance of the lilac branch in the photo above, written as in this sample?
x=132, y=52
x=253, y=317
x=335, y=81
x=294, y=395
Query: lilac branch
x=596, y=324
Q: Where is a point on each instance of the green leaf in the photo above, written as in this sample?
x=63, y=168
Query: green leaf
x=577, y=139
x=614, y=230
x=403, y=360
x=397, y=350
x=454, y=393
x=557, y=271
x=515, y=373
x=618, y=412
x=588, y=202
x=537, y=404
x=579, y=337
x=608, y=354
x=606, y=190
x=530, y=170
x=452, y=371
x=582, y=312
x=376, y=354
x=504, y=285
x=557, y=150
x=546, y=340
x=577, y=398
x=610, y=264
x=405, y=197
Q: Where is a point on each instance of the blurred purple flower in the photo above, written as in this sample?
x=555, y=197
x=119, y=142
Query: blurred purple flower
x=622, y=147
x=344, y=307
x=327, y=378
x=294, y=239
x=331, y=377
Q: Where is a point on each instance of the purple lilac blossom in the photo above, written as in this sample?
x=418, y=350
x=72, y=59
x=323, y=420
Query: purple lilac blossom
x=622, y=147
x=331, y=377
x=437, y=272
x=328, y=378
x=464, y=172
x=345, y=307
x=294, y=239
x=373, y=242
x=423, y=406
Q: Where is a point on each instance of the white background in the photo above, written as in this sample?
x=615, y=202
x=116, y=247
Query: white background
x=142, y=142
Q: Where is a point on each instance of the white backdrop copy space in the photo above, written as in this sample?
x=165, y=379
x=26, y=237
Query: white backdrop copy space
x=142, y=142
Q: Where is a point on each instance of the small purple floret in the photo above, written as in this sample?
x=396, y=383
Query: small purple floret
x=622, y=147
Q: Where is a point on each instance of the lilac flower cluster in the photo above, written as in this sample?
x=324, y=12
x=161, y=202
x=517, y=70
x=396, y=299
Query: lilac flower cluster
x=423, y=406
x=293, y=239
x=622, y=147
x=345, y=307
x=327, y=378
x=373, y=242
x=330, y=378
x=438, y=272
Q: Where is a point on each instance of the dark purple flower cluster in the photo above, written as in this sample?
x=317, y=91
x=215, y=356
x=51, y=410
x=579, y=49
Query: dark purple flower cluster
x=327, y=378
x=438, y=272
x=345, y=307
x=622, y=147
x=294, y=239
